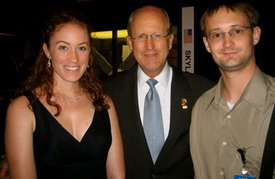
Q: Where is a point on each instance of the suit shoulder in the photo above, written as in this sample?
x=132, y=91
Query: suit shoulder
x=198, y=81
x=193, y=76
x=206, y=98
x=115, y=78
x=115, y=83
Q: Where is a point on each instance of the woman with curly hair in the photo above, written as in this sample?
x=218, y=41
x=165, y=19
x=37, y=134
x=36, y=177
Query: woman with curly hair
x=64, y=126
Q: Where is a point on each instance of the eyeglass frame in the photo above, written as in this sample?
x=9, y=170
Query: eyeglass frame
x=139, y=39
x=230, y=32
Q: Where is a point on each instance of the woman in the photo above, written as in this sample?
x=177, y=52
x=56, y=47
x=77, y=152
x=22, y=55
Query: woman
x=64, y=126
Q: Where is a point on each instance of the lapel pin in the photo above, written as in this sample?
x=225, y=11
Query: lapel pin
x=184, y=103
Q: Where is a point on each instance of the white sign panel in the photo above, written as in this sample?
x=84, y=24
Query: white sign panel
x=188, y=39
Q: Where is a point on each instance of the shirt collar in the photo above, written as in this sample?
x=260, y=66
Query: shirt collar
x=162, y=78
x=255, y=92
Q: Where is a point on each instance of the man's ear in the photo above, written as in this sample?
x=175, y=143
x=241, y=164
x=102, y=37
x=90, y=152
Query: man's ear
x=206, y=44
x=171, y=38
x=129, y=42
x=256, y=35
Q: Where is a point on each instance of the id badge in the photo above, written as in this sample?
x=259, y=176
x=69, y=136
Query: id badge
x=243, y=177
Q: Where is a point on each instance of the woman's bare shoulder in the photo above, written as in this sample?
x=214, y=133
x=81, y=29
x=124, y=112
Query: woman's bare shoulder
x=19, y=105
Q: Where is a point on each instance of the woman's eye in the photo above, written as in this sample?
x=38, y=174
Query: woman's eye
x=82, y=48
x=62, y=47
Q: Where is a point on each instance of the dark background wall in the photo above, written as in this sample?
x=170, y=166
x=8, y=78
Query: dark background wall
x=23, y=22
x=19, y=40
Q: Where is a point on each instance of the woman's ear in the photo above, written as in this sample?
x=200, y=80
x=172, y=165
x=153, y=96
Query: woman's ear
x=46, y=50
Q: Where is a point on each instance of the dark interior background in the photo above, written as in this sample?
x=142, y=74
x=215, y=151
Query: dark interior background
x=19, y=40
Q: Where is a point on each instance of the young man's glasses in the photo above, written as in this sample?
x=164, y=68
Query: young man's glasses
x=235, y=32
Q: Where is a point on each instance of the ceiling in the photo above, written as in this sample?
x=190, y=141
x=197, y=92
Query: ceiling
x=104, y=14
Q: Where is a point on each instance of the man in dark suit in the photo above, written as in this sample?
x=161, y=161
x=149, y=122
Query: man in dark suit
x=150, y=39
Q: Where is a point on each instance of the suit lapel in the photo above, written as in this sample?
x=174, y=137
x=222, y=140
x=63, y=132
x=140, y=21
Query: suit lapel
x=133, y=126
x=180, y=118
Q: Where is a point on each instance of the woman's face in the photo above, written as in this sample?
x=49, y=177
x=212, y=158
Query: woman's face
x=69, y=50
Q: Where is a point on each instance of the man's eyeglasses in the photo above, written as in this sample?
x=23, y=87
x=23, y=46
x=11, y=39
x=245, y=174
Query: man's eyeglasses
x=154, y=36
x=235, y=32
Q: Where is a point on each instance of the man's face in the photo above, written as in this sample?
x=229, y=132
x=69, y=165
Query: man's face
x=150, y=41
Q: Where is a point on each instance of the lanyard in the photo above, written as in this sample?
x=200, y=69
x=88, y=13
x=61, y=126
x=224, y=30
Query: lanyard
x=242, y=152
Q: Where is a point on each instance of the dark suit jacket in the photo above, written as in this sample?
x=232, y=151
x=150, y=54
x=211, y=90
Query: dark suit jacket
x=174, y=160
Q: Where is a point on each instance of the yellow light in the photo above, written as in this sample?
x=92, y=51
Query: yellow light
x=6, y=34
x=108, y=34
x=102, y=35
x=122, y=33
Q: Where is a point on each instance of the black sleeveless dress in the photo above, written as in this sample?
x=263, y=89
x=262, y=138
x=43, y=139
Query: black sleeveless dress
x=59, y=155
